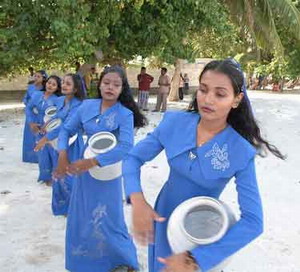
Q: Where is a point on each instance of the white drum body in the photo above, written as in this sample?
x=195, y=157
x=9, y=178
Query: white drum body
x=49, y=113
x=53, y=124
x=199, y=221
x=100, y=143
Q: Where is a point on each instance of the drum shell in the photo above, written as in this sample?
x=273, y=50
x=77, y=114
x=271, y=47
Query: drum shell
x=103, y=173
x=180, y=240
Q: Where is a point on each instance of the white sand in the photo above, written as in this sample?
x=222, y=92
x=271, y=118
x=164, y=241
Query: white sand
x=31, y=239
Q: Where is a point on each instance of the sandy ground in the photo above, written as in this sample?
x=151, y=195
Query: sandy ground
x=31, y=239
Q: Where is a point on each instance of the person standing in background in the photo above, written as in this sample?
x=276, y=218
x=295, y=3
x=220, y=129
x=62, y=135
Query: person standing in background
x=77, y=66
x=144, y=80
x=181, y=84
x=163, y=91
x=31, y=75
x=186, y=83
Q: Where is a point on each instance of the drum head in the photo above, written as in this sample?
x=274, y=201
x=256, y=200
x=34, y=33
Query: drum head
x=53, y=124
x=102, y=142
x=203, y=222
x=50, y=111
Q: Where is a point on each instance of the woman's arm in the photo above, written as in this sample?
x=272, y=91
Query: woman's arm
x=143, y=215
x=69, y=128
x=241, y=233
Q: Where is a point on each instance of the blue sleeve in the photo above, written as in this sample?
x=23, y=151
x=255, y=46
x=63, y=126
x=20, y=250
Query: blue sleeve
x=31, y=117
x=70, y=127
x=125, y=143
x=26, y=98
x=145, y=150
x=242, y=232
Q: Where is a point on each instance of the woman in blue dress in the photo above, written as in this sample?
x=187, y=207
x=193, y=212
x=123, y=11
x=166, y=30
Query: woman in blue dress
x=97, y=239
x=28, y=155
x=66, y=106
x=35, y=112
x=215, y=140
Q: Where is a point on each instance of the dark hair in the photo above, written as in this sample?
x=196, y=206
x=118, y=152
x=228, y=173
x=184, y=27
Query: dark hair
x=240, y=118
x=164, y=69
x=58, y=81
x=44, y=75
x=143, y=68
x=78, y=85
x=125, y=98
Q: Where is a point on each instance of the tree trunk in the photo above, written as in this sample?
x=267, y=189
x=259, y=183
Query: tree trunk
x=174, y=95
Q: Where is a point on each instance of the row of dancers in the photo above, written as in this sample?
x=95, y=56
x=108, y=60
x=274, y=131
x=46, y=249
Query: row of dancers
x=215, y=139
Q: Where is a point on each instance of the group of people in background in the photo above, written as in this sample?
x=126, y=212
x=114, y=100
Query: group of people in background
x=164, y=84
x=215, y=139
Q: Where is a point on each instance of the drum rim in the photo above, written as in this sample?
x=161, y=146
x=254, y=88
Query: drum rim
x=215, y=204
x=56, y=120
x=101, y=135
x=49, y=109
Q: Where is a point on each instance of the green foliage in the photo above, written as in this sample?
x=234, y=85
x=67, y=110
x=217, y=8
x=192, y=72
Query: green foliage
x=55, y=33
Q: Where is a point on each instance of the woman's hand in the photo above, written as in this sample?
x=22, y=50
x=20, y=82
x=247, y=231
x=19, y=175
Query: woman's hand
x=143, y=217
x=34, y=128
x=41, y=143
x=81, y=166
x=179, y=263
x=62, y=165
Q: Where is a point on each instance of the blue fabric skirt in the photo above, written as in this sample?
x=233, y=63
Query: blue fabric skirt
x=97, y=239
x=28, y=155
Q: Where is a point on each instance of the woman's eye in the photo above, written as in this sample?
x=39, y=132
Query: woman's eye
x=221, y=94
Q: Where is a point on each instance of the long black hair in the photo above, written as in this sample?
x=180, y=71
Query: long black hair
x=125, y=97
x=58, y=81
x=240, y=118
x=78, y=86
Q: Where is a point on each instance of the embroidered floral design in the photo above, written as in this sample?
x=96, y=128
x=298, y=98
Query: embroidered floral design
x=97, y=215
x=219, y=156
x=110, y=120
x=88, y=248
x=192, y=156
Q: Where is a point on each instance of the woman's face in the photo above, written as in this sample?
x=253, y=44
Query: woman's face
x=38, y=78
x=215, y=97
x=67, y=86
x=51, y=85
x=111, y=86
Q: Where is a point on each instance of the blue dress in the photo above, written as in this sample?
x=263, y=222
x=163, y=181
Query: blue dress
x=97, y=239
x=198, y=171
x=61, y=189
x=28, y=155
x=35, y=112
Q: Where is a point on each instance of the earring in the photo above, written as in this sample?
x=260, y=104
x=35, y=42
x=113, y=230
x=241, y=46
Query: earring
x=235, y=106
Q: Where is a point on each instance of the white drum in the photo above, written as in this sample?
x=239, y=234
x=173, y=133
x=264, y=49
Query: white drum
x=53, y=124
x=49, y=113
x=100, y=143
x=199, y=221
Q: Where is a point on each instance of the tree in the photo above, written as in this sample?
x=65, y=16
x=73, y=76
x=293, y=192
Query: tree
x=257, y=21
x=56, y=33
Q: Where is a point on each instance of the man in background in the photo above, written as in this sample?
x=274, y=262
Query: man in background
x=163, y=90
x=144, y=80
